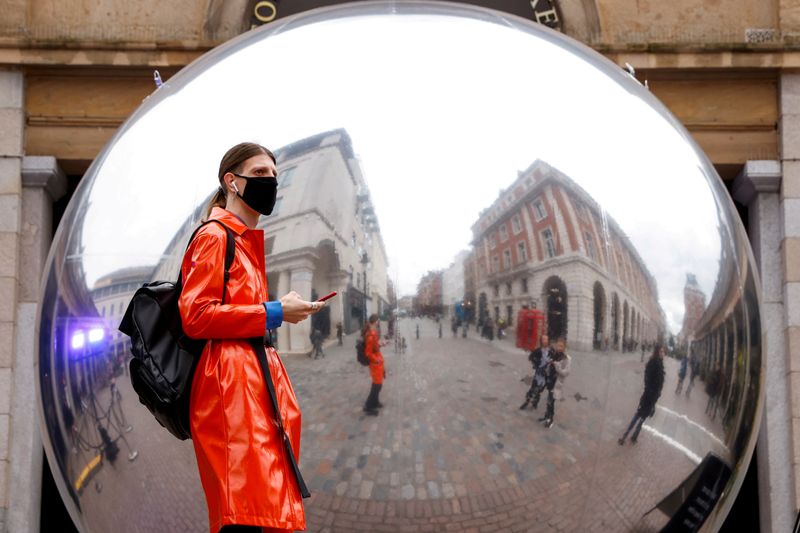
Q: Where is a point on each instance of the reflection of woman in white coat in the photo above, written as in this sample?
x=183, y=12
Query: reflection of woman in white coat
x=557, y=371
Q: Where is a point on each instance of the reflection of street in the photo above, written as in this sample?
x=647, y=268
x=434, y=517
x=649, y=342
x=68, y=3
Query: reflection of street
x=163, y=479
x=452, y=450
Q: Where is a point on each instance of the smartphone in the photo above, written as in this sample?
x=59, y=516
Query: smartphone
x=327, y=296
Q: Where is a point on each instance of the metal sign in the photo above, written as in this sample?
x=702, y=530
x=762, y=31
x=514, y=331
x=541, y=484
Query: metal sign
x=542, y=11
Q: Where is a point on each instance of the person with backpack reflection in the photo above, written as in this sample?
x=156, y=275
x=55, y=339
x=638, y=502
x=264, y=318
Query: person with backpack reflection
x=247, y=461
x=372, y=349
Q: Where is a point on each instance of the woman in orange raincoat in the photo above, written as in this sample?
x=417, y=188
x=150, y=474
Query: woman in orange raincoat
x=372, y=349
x=244, y=467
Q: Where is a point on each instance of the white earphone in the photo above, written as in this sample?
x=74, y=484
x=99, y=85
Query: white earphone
x=235, y=188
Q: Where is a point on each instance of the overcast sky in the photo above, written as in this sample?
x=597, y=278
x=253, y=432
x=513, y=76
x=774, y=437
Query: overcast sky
x=443, y=113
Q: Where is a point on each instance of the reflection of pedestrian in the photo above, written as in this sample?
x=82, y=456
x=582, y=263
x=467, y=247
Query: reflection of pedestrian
x=417, y=331
x=653, y=383
x=372, y=349
x=557, y=371
x=454, y=327
x=641, y=359
x=316, y=342
x=239, y=452
x=694, y=369
x=440, y=330
x=540, y=359
x=682, y=373
x=339, y=333
x=464, y=330
x=713, y=383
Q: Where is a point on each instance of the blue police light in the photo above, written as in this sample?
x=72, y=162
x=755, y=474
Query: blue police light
x=96, y=335
x=78, y=340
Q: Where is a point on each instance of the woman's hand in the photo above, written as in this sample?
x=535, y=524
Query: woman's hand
x=295, y=309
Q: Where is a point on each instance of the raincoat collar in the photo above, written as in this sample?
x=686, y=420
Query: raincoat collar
x=229, y=219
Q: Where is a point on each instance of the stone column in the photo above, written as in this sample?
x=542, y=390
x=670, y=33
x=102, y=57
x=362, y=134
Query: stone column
x=11, y=145
x=757, y=187
x=299, y=334
x=339, y=284
x=283, y=331
x=789, y=222
x=43, y=182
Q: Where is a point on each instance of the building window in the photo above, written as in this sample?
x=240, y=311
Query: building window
x=495, y=264
x=285, y=177
x=589, y=245
x=508, y=288
x=549, y=244
x=496, y=313
x=538, y=210
x=506, y=259
x=492, y=241
x=496, y=290
x=503, y=233
x=525, y=285
x=516, y=227
x=509, y=314
x=522, y=252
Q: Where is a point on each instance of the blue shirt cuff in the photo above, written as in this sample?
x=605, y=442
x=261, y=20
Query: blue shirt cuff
x=274, y=311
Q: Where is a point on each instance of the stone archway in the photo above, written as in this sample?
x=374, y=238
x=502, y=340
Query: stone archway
x=615, y=321
x=599, y=316
x=555, y=298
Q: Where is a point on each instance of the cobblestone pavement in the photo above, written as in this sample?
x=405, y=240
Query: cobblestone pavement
x=450, y=451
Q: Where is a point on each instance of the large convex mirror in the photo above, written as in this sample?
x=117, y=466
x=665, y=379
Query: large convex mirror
x=477, y=181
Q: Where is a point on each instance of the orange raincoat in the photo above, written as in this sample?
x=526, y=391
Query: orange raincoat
x=372, y=349
x=246, y=474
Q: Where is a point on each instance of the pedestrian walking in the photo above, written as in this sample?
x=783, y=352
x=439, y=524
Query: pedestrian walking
x=540, y=360
x=454, y=327
x=316, y=343
x=557, y=371
x=682, y=373
x=713, y=386
x=653, y=383
x=242, y=458
x=440, y=330
x=339, y=332
x=417, y=331
x=372, y=349
x=694, y=369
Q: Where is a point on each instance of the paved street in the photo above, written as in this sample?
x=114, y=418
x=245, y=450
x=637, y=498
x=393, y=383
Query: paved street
x=450, y=451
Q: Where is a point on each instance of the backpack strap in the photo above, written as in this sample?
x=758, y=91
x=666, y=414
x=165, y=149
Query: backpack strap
x=230, y=252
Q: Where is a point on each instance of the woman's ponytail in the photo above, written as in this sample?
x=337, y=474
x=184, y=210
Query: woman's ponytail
x=218, y=200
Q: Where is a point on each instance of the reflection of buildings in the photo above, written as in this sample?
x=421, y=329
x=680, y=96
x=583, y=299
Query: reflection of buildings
x=727, y=339
x=694, y=300
x=322, y=236
x=112, y=293
x=429, y=294
x=546, y=243
x=453, y=289
x=406, y=303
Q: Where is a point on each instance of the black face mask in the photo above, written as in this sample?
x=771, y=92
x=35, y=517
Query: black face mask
x=260, y=193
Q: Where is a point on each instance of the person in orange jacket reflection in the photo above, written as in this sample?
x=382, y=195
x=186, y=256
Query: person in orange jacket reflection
x=372, y=349
x=244, y=467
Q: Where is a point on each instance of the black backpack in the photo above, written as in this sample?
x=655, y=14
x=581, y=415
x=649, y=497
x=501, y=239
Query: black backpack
x=164, y=357
x=360, y=355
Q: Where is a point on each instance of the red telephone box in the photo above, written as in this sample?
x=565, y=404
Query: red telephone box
x=530, y=325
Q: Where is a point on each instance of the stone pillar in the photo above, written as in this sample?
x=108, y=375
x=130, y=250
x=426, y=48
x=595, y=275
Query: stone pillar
x=283, y=331
x=789, y=138
x=757, y=187
x=43, y=182
x=339, y=284
x=11, y=145
x=299, y=334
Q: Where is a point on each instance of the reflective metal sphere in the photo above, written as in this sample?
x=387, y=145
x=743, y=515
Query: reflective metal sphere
x=477, y=180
